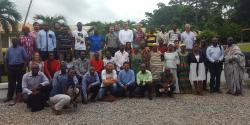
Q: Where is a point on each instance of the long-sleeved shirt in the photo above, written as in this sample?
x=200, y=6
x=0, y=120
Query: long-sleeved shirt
x=120, y=58
x=15, y=56
x=29, y=82
x=126, y=77
x=87, y=80
x=46, y=40
x=188, y=39
x=81, y=66
x=126, y=36
x=28, y=43
x=144, y=77
x=215, y=53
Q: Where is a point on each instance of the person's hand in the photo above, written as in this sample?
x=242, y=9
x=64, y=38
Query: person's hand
x=125, y=86
x=89, y=87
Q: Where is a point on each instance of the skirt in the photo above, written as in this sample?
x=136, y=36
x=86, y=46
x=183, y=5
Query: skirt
x=197, y=75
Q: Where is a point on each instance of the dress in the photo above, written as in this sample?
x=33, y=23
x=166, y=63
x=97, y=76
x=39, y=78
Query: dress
x=156, y=65
x=197, y=67
x=171, y=62
x=183, y=73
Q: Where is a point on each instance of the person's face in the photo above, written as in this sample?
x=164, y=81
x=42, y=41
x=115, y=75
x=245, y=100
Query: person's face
x=26, y=31
x=108, y=54
x=214, y=41
x=229, y=41
x=92, y=71
x=95, y=32
x=51, y=56
x=143, y=68
x=36, y=56
x=196, y=47
x=162, y=28
x=36, y=27
x=187, y=28
x=109, y=67
x=14, y=42
x=161, y=42
x=155, y=48
x=171, y=47
x=46, y=26
x=71, y=73
x=176, y=44
x=183, y=48
x=35, y=70
x=57, y=26
x=96, y=56
x=116, y=28
x=111, y=29
x=138, y=27
x=79, y=26
x=122, y=47
x=126, y=26
x=63, y=68
x=82, y=55
x=174, y=27
x=126, y=67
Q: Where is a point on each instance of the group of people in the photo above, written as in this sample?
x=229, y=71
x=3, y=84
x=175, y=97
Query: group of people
x=63, y=66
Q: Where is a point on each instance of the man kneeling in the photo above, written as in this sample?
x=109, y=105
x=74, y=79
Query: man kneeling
x=35, y=89
x=166, y=84
x=126, y=81
x=64, y=89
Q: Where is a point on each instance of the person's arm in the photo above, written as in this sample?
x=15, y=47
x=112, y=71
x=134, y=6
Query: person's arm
x=54, y=40
x=138, y=78
x=149, y=78
x=44, y=79
x=25, y=88
x=177, y=59
x=208, y=55
x=38, y=41
x=222, y=53
x=131, y=36
x=120, y=37
x=132, y=79
x=120, y=79
x=97, y=80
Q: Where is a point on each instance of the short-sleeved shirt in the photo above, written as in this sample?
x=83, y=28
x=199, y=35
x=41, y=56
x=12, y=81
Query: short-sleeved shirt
x=188, y=39
x=96, y=42
x=16, y=56
x=80, y=36
x=112, y=40
x=106, y=75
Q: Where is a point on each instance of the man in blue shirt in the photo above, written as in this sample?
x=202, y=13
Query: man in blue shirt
x=96, y=42
x=90, y=84
x=46, y=41
x=16, y=60
x=126, y=81
x=215, y=55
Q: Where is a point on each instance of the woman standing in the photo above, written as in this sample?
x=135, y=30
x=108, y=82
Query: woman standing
x=234, y=67
x=197, y=68
x=171, y=61
x=36, y=59
x=183, y=71
x=156, y=65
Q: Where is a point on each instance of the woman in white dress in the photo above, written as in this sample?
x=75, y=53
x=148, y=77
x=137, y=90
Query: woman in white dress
x=197, y=74
x=171, y=61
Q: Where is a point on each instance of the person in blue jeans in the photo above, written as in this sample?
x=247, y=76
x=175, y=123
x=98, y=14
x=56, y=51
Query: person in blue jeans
x=126, y=81
x=109, y=80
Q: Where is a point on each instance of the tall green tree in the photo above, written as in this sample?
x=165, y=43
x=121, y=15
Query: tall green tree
x=50, y=19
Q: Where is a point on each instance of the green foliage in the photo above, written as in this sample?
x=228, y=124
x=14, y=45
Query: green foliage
x=51, y=20
x=245, y=47
x=207, y=34
x=9, y=16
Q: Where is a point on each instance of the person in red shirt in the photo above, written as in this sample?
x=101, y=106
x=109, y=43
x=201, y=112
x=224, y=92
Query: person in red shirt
x=97, y=63
x=51, y=66
x=161, y=47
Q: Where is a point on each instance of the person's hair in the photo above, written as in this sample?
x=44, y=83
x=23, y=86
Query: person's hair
x=71, y=69
x=70, y=54
x=35, y=23
x=26, y=28
x=126, y=63
x=187, y=25
x=33, y=56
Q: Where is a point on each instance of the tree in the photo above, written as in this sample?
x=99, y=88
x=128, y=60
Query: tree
x=51, y=20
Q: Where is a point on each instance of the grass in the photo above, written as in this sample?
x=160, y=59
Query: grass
x=4, y=79
x=245, y=47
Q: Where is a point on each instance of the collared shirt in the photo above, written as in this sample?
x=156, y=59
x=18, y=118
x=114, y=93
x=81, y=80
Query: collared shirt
x=46, y=41
x=215, y=53
x=90, y=80
x=15, y=56
x=29, y=82
x=188, y=39
x=120, y=58
x=80, y=37
x=106, y=61
x=163, y=36
x=96, y=42
x=62, y=81
x=33, y=34
x=144, y=77
x=105, y=75
x=126, y=36
x=112, y=40
x=81, y=66
x=172, y=36
x=126, y=77
x=28, y=43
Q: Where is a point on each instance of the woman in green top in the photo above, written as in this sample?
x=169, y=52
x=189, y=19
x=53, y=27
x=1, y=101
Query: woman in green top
x=183, y=71
x=136, y=60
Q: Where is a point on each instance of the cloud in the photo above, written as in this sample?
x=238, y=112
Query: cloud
x=89, y=10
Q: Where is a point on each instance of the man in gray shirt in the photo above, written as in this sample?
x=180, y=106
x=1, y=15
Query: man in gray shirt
x=35, y=87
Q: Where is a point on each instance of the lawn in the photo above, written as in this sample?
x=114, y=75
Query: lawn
x=245, y=47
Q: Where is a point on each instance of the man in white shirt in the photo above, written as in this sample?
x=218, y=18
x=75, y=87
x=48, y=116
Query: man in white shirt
x=188, y=38
x=120, y=57
x=80, y=40
x=126, y=35
x=163, y=35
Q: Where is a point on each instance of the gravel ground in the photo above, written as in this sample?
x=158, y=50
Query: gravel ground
x=211, y=109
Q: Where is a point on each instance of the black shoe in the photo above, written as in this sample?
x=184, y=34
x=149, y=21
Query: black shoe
x=46, y=104
x=36, y=110
x=7, y=100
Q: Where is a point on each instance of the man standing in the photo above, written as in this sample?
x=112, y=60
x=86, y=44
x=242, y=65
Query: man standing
x=96, y=42
x=90, y=84
x=163, y=35
x=16, y=60
x=109, y=80
x=126, y=81
x=46, y=41
x=174, y=34
x=27, y=42
x=215, y=55
x=188, y=38
x=144, y=82
x=35, y=89
x=126, y=35
x=112, y=41
x=121, y=56
x=36, y=27
x=80, y=38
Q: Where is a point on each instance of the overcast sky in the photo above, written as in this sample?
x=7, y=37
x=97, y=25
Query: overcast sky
x=89, y=10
